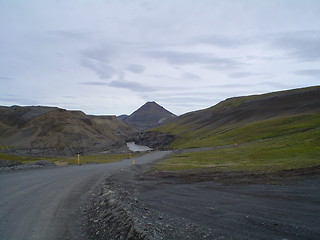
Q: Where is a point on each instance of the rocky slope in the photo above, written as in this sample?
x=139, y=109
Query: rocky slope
x=148, y=116
x=55, y=128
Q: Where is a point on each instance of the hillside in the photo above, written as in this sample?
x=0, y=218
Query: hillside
x=201, y=128
x=148, y=116
x=268, y=132
x=49, y=127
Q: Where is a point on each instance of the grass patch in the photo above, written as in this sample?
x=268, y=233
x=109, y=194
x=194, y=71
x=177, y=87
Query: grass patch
x=226, y=135
x=291, y=151
x=61, y=161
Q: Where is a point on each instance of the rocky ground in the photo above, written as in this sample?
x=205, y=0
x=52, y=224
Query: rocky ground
x=7, y=165
x=117, y=212
x=136, y=203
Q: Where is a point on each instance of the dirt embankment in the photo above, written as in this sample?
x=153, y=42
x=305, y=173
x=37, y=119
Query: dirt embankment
x=138, y=204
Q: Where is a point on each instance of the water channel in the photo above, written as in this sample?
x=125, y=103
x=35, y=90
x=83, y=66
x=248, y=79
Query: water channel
x=137, y=148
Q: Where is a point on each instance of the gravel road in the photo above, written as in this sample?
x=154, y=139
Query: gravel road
x=124, y=201
x=138, y=204
x=44, y=203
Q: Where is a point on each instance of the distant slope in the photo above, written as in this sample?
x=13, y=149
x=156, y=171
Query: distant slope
x=46, y=127
x=148, y=116
x=226, y=122
x=123, y=117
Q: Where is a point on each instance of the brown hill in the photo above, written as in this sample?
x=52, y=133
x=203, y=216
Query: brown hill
x=49, y=127
x=148, y=116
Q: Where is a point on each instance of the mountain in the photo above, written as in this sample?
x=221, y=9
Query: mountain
x=123, y=117
x=245, y=118
x=40, y=127
x=148, y=116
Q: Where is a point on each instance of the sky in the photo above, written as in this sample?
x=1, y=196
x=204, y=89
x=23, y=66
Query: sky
x=109, y=57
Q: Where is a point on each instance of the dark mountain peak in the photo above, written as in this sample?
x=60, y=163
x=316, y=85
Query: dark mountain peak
x=149, y=115
x=123, y=117
x=152, y=108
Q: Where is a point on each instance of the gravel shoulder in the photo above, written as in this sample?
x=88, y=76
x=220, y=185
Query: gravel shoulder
x=135, y=203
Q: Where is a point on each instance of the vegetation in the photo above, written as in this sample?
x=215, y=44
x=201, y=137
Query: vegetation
x=269, y=145
x=289, y=151
x=61, y=161
x=231, y=134
x=236, y=101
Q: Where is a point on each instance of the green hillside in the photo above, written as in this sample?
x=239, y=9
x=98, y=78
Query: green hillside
x=268, y=132
x=271, y=145
x=233, y=134
x=208, y=127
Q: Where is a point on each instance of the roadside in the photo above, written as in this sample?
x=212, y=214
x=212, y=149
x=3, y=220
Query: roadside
x=44, y=204
x=136, y=203
x=8, y=165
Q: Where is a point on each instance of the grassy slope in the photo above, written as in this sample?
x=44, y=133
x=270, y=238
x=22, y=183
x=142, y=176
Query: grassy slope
x=284, y=151
x=282, y=142
x=249, y=132
x=60, y=161
x=195, y=129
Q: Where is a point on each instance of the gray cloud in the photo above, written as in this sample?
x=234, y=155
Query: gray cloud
x=132, y=86
x=187, y=99
x=18, y=100
x=229, y=86
x=99, y=60
x=184, y=58
x=94, y=83
x=247, y=74
x=309, y=72
x=190, y=76
x=71, y=97
x=101, y=69
x=222, y=41
x=304, y=45
x=6, y=78
x=101, y=54
x=70, y=34
x=135, y=68
x=160, y=76
x=276, y=85
x=250, y=85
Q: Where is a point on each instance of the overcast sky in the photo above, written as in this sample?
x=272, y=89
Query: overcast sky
x=111, y=56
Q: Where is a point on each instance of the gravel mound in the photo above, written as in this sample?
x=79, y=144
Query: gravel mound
x=41, y=163
x=9, y=163
x=6, y=165
x=115, y=212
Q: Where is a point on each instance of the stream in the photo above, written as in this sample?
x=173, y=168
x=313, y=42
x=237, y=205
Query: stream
x=137, y=148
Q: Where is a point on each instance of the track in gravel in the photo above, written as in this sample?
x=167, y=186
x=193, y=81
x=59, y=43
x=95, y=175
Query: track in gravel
x=43, y=204
x=241, y=211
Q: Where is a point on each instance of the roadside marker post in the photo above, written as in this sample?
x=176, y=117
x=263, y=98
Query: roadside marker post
x=78, y=159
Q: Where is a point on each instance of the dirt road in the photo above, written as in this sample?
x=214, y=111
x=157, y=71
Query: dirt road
x=195, y=206
x=43, y=204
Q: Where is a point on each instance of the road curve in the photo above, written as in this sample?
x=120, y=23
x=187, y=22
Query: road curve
x=42, y=204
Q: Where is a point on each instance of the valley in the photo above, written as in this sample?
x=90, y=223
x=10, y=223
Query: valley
x=246, y=168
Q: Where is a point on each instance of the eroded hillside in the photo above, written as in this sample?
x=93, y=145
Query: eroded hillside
x=46, y=127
